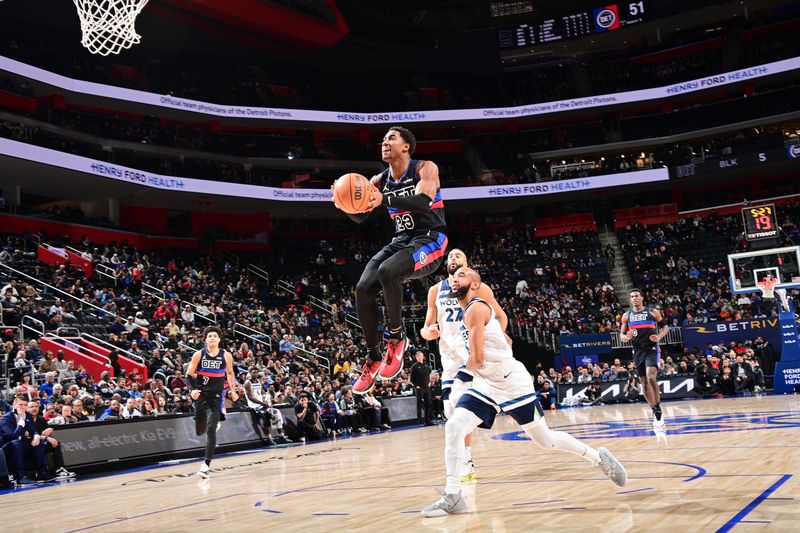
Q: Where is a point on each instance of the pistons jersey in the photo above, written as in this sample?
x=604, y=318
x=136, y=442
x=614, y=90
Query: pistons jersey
x=451, y=316
x=642, y=324
x=406, y=221
x=495, y=346
x=211, y=372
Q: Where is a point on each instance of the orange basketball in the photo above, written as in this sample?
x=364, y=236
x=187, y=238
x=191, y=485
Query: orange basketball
x=352, y=192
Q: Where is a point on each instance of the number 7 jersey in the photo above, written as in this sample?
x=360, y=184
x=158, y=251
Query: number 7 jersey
x=450, y=317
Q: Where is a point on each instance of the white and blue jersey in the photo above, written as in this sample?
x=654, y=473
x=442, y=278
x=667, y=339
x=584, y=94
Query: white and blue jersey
x=502, y=383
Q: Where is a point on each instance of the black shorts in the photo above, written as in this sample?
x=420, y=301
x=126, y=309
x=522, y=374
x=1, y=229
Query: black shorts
x=208, y=402
x=645, y=358
x=426, y=249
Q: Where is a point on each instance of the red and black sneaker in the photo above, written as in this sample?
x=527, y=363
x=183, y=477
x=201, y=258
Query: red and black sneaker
x=396, y=344
x=368, y=372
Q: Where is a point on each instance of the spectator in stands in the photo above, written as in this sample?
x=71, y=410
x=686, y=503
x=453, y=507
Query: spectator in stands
x=67, y=376
x=726, y=382
x=547, y=396
x=632, y=389
x=48, y=363
x=187, y=315
x=61, y=364
x=308, y=418
x=78, y=411
x=745, y=379
x=351, y=418
x=20, y=439
x=130, y=410
x=49, y=383
x=33, y=352
x=330, y=413
x=114, y=411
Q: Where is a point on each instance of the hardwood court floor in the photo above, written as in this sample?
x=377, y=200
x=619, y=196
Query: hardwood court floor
x=723, y=464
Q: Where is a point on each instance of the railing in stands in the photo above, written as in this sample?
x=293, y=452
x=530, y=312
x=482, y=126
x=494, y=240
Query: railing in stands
x=285, y=286
x=259, y=272
x=228, y=256
x=210, y=317
x=105, y=344
x=154, y=291
x=253, y=334
x=69, y=342
x=80, y=301
x=7, y=362
x=68, y=330
x=25, y=324
x=106, y=271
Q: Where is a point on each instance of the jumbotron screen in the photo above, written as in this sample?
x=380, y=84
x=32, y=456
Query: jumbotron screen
x=574, y=25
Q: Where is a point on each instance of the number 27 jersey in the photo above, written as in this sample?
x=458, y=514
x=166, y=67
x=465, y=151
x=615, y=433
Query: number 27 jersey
x=451, y=316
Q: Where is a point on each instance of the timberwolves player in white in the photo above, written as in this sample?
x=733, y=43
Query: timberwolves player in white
x=443, y=321
x=501, y=384
x=645, y=327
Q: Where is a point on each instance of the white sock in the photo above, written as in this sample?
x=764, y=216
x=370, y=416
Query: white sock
x=458, y=427
x=559, y=440
x=467, y=453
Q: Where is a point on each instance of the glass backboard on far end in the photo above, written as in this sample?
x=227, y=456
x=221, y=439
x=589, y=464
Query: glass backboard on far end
x=748, y=268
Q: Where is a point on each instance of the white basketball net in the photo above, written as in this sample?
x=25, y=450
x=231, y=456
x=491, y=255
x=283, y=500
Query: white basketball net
x=107, y=25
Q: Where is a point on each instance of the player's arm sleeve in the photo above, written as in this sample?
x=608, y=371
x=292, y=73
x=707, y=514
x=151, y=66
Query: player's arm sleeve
x=191, y=372
x=418, y=203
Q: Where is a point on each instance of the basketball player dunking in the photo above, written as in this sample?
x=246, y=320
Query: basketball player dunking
x=640, y=325
x=501, y=383
x=443, y=321
x=409, y=188
x=207, y=372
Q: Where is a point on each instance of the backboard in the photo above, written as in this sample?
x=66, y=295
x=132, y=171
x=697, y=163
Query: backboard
x=747, y=268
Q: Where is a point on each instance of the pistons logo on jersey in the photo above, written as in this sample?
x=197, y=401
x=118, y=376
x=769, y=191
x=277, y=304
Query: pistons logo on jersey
x=211, y=364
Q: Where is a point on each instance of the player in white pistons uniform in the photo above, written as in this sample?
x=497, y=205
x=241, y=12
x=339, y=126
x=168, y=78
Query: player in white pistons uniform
x=501, y=383
x=443, y=321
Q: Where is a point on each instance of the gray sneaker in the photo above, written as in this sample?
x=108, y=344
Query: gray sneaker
x=612, y=468
x=447, y=504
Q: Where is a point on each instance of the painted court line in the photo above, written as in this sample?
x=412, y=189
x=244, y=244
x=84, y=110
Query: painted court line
x=538, y=503
x=753, y=504
x=637, y=490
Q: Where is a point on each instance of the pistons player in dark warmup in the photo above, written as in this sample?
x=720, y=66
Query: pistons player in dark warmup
x=207, y=373
x=409, y=189
x=645, y=327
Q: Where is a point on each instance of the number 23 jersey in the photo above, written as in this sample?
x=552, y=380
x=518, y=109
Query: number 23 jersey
x=406, y=221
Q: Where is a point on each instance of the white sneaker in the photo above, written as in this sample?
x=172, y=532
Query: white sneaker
x=612, y=468
x=205, y=471
x=447, y=504
x=658, y=424
x=219, y=426
x=63, y=473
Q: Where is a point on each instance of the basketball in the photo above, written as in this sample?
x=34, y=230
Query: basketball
x=351, y=193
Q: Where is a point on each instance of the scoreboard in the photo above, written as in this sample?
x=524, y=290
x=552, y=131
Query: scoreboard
x=574, y=25
x=760, y=222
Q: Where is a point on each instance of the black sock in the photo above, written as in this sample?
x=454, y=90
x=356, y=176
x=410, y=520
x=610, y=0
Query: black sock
x=657, y=411
x=208, y=462
x=374, y=354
